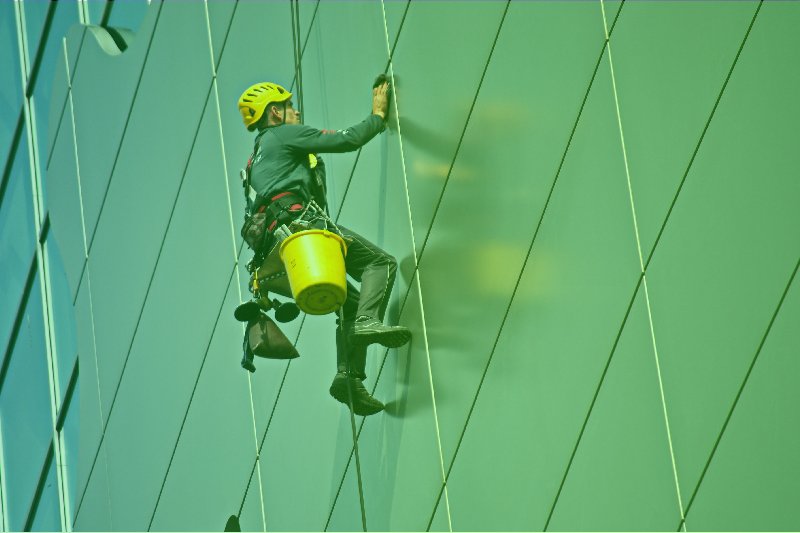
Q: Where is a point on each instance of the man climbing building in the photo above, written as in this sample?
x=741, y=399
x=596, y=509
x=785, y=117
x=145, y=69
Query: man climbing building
x=286, y=174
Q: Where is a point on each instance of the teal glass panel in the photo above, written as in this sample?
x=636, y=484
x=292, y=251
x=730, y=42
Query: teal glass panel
x=17, y=239
x=25, y=413
x=234, y=76
x=88, y=401
x=152, y=169
x=47, y=515
x=95, y=10
x=11, y=87
x=562, y=324
x=750, y=483
x=62, y=183
x=346, y=513
x=216, y=435
x=128, y=14
x=220, y=17
x=252, y=517
x=316, y=445
x=102, y=74
x=401, y=470
x=66, y=342
x=435, y=89
x=70, y=433
x=339, y=69
x=171, y=344
x=440, y=520
x=667, y=88
x=94, y=503
x=730, y=244
x=34, y=15
x=624, y=447
x=45, y=95
x=500, y=181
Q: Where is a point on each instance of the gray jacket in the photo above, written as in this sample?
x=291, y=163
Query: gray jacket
x=281, y=162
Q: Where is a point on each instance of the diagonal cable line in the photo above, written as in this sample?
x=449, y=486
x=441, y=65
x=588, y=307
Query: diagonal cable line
x=641, y=266
x=702, y=135
x=125, y=127
x=191, y=398
x=146, y=296
x=739, y=392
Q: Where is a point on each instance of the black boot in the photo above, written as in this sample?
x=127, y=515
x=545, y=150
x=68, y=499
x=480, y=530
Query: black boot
x=368, y=330
x=363, y=402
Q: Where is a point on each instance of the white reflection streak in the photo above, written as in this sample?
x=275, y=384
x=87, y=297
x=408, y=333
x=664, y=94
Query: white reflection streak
x=416, y=269
x=641, y=265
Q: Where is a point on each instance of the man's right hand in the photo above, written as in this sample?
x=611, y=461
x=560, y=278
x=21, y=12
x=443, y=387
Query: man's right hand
x=380, y=97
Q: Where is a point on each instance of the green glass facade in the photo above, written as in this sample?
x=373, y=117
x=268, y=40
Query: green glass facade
x=594, y=209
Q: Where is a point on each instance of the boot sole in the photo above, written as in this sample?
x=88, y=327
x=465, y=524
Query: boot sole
x=388, y=339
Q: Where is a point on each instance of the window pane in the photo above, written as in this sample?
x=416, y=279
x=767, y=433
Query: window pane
x=11, y=84
x=70, y=435
x=35, y=15
x=47, y=517
x=128, y=15
x=25, y=415
x=17, y=240
x=66, y=342
x=66, y=15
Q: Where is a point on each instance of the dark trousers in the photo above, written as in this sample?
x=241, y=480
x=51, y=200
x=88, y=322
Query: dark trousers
x=375, y=270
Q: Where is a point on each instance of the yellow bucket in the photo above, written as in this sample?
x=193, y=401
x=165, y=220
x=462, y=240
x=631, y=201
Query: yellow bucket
x=314, y=261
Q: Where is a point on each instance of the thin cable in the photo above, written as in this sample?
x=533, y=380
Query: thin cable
x=416, y=266
x=741, y=388
x=641, y=266
x=147, y=290
x=191, y=399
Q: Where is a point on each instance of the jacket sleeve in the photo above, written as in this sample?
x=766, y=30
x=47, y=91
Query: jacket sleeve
x=311, y=140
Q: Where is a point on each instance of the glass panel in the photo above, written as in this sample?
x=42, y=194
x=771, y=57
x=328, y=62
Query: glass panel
x=96, y=9
x=66, y=344
x=64, y=205
x=17, y=240
x=128, y=14
x=401, y=476
x=217, y=419
x=48, y=512
x=66, y=14
x=172, y=338
x=70, y=435
x=731, y=241
x=532, y=120
x=149, y=173
x=573, y=296
x=436, y=85
x=667, y=88
x=11, y=86
x=35, y=14
x=25, y=412
x=751, y=483
x=624, y=447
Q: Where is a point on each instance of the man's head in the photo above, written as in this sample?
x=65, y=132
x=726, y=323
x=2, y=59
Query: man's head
x=265, y=104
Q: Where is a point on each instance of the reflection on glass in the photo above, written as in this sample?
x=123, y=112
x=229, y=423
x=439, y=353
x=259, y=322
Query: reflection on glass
x=35, y=13
x=66, y=14
x=63, y=317
x=25, y=417
x=11, y=84
x=47, y=516
x=128, y=15
x=17, y=240
x=69, y=434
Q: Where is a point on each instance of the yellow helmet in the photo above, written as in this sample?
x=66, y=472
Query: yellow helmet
x=256, y=98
